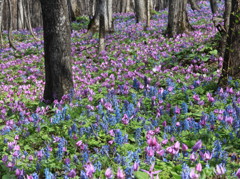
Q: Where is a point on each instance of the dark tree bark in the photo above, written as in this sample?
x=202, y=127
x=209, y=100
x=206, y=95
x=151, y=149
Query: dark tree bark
x=224, y=29
x=214, y=6
x=177, y=18
x=57, y=48
x=140, y=10
x=10, y=26
x=103, y=8
x=161, y=4
x=231, y=61
x=1, y=15
x=194, y=5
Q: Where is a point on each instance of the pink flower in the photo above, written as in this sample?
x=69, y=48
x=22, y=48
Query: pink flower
x=135, y=166
x=220, y=169
x=108, y=106
x=184, y=147
x=198, y=167
x=89, y=169
x=229, y=119
x=152, y=141
x=109, y=173
x=120, y=174
x=165, y=141
x=196, y=97
x=193, y=157
x=177, y=145
x=125, y=119
x=207, y=156
x=194, y=175
x=151, y=173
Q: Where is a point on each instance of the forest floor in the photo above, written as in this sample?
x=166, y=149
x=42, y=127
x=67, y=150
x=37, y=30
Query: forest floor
x=148, y=101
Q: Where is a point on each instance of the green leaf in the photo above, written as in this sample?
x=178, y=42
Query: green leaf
x=141, y=175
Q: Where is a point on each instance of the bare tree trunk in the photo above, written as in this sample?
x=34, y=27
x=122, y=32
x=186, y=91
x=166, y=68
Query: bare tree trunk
x=57, y=49
x=140, y=10
x=224, y=30
x=194, y=5
x=10, y=26
x=27, y=17
x=161, y=4
x=1, y=15
x=231, y=61
x=214, y=6
x=148, y=8
x=93, y=26
x=20, y=15
x=103, y=8
x=177, y=18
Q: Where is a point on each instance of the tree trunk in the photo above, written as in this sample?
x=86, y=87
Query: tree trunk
x=20, y=15
x=140, y=10
x=148, y=9
x=177, y=18
x=214, y=6
x=1, y=15
x=93, y=25
x=103, y=9
x=227, y=13
x=10, y=26
x=161, y=4
x=57, y=49
x=194, y=5
x=231, y=61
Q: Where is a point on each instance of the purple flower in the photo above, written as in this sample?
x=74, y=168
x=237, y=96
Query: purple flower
x=72, y=173
x=238, y=173
x=197, y=146
x=19, y=172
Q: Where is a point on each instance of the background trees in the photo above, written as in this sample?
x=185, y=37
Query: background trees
x=231, y=64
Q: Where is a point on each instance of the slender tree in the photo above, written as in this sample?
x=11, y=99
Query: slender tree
x=177, y=18
x=231, y=61
x=10, y=25
x=102, y=8
x=1, y=15
x=57, y=49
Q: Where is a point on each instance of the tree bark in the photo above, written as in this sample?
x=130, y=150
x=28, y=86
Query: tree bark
x=194, y=5
x=214, y=7
x=1, y=15
x=103, y=8
x=140, y=11
x=93, y=25
x=177, y=18
x=148, y=9
x=231, y=61
x=57, y=49
x=10, y=26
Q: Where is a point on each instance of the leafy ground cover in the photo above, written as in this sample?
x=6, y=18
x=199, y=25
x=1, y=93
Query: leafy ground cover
x=148, y=107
